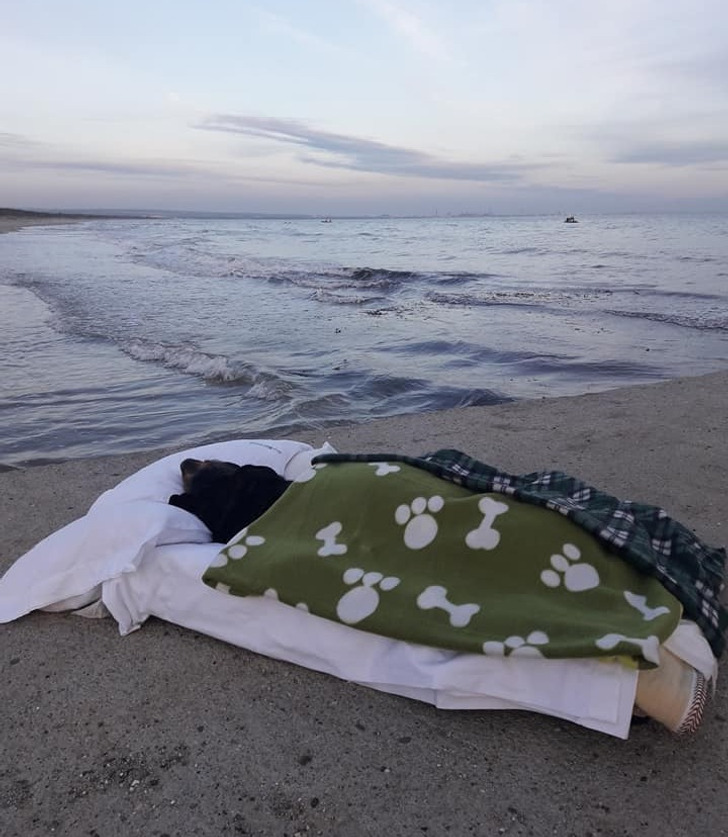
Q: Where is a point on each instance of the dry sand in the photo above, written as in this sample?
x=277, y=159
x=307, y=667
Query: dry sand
x=170, y=732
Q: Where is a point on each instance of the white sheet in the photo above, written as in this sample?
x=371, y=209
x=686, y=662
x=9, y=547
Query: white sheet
x=146, y=558
x=167, y=584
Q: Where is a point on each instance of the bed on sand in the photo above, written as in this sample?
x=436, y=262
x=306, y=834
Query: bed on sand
x=436, y=578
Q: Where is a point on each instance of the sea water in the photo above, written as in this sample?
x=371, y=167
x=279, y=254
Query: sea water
x=121, y=335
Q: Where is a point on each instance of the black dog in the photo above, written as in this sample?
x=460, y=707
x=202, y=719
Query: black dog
x=227, y=497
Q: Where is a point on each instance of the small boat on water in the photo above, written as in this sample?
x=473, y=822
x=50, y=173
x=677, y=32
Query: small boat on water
x=570, y=220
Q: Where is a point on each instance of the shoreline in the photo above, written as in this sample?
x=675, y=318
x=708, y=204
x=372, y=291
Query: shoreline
x=632, y=442
x=108, y=728
x=12, y=220
x=15, y=223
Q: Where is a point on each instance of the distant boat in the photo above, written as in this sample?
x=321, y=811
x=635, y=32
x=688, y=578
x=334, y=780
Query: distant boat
x=326, y=220
x=570, y=220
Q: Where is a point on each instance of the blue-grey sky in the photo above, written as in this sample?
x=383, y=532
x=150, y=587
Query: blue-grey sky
x=365, y=106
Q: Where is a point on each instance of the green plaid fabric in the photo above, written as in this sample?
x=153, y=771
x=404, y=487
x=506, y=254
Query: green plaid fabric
x=644, y=536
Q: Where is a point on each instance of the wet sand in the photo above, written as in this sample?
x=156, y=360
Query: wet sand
x=13, y=223
x=168, y=731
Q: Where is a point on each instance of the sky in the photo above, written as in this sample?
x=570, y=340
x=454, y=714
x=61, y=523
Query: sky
x=359, y=107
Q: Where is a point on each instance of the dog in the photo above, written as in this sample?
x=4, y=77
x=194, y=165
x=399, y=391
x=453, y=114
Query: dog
x=227, y=497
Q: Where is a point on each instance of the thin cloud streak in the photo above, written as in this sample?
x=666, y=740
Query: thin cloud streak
x=675, y=153
x=411, y=27
x=182, y=170
x=12, y=141
x=357, y=154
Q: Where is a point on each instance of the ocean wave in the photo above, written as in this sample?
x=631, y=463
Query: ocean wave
x=525, y=251
x=702, y=322
x=689, y=295
x=261, y=384
x=333, y=298
x=698, y=259
x=385, y=395
x=459, y=278
x=185, y=358
x=517, y=298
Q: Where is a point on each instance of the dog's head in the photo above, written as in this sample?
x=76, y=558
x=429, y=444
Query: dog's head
x=227, y=497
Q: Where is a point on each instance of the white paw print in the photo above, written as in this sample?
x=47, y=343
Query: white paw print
x=421, y=528
x=577, y=577
x=237, y=550
x=362, y=601
x=517, y=646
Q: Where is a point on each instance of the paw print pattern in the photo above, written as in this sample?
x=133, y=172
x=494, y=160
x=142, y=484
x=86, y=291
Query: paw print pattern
x=420, y=527
x=576, y=576
x=517, y=646
x=237, y=550
x=363, y=600
x=384, y=468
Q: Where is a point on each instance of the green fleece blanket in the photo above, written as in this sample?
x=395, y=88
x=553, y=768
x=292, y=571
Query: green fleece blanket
x=395, y=550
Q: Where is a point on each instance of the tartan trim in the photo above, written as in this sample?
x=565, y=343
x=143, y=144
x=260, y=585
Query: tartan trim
x=645, y=536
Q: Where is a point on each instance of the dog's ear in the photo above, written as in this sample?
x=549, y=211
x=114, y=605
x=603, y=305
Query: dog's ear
x=182, y=501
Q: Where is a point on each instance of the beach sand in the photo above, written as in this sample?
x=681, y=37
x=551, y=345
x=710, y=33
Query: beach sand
x=168, y=731
x=13, y=223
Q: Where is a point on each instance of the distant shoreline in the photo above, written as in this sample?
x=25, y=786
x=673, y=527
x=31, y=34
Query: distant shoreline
x=12, y=220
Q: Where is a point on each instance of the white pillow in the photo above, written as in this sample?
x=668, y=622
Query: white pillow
x=65, y=569
x=299, y=465
x=163, y=478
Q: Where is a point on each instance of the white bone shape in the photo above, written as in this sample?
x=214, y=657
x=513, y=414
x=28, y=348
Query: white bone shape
x=384, y=468
x=328, y=535
x=485, y=536
x=640, y=603
x=436, y=596
x=650, y=646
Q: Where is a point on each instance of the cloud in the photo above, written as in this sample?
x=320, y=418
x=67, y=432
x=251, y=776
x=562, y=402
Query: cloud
x=411, y=27
x=8, y=140
x=181, y=170
x=332, y=150
x=686, y=153
x=281, y=25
